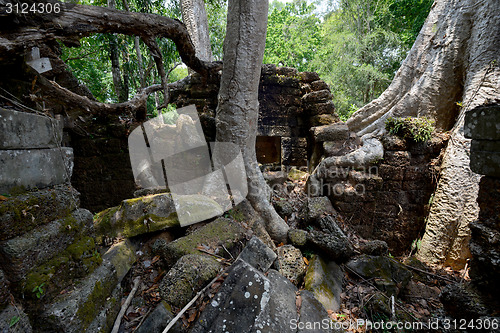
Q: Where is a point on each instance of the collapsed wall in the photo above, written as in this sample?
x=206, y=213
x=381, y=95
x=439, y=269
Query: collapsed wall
x=49, y=262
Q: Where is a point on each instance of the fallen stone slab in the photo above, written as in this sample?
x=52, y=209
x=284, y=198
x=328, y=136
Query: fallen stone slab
x=150, y=213
x=76, y=310
x=35, y=168
x=23, y=253
x=324, y=281
x=23, y=130
x=281, y=309
x=387, y=274
x=258, y=254
x=333, y=132
x=21, y=213
x=158, y=319
x=313, y=316
x=189, y=275
x=243, y=295
x=14, y=320
x=122, y=256
x=215, y=236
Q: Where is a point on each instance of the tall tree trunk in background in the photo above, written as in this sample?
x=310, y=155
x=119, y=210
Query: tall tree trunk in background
x=138, y=52
x=454, y=59
x=114, y=55
x=238, y=108
x=195, y=18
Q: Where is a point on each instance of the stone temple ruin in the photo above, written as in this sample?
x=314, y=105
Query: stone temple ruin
x=48, y=232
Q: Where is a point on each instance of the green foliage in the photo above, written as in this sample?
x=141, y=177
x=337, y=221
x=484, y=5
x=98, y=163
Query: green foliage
x=416, y=129
x=38, y=291
x=292, y=35
x=14, y=320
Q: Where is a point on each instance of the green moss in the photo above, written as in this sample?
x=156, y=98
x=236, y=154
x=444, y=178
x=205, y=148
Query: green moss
x=416, y=129
x=87, y=312
x=78, y=260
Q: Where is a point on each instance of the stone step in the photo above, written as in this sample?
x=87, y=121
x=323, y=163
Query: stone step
x=333, y=132
x=22, y=213
x=22, y=130
x=93, y=303
x=35, y=168
x=21, y=254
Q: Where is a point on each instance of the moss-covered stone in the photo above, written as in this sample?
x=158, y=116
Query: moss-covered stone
x=22, y=213
x=297, y=237
x=77, y=261
x=136, y=216
x=325, y=282
x=215, y=236
x=21, y=254
x=76, y=310
x=387, y=274
x=188, y=276
x=122, y=256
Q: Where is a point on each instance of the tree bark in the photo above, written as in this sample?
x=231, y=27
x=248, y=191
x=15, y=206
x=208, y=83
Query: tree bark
x=238, y=107
x=194, y=16
x=77, y=21
x=454, y=59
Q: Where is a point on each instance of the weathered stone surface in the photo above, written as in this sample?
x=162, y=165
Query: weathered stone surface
x=214, y=235
x=283, y=207
x=244, y=294
x=188, y=276
x=6, y=316
x=462, y=302
x=258, y=254
x=333, y=132
x=274, y=177
x=22, y=130
x=75, y=262
x=4, y=290
x=288, y=71
x=36, y=168
x=388, y=275
x=281, y=309
x=317, y=96
x=313, y=316
x=324, y=281
x=334, y=242
x=323, y=119
x=105, y=319
x=320, y=108
x=22, y=253
x=308, y=76
x=158, y=319
x=76, y=310
x=290, y=263
x=122, y=256
x=482, y=123
x=297, y=237
x=485, y=162
x=319, y=85
x=374, y=248
x=317, y=207
x=21, y=213
x=136, y=216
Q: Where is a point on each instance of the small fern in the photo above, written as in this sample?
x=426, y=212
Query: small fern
x=416, y=129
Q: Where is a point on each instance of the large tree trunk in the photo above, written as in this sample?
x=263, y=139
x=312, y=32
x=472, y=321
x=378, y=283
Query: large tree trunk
x=453, y=62
x=195, y=18
x=238, y=107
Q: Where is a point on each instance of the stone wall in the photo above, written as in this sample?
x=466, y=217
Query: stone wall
x=389, y=199
x=290, y=103
x=48, y=254
x=481, y=125
x=102, y=172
